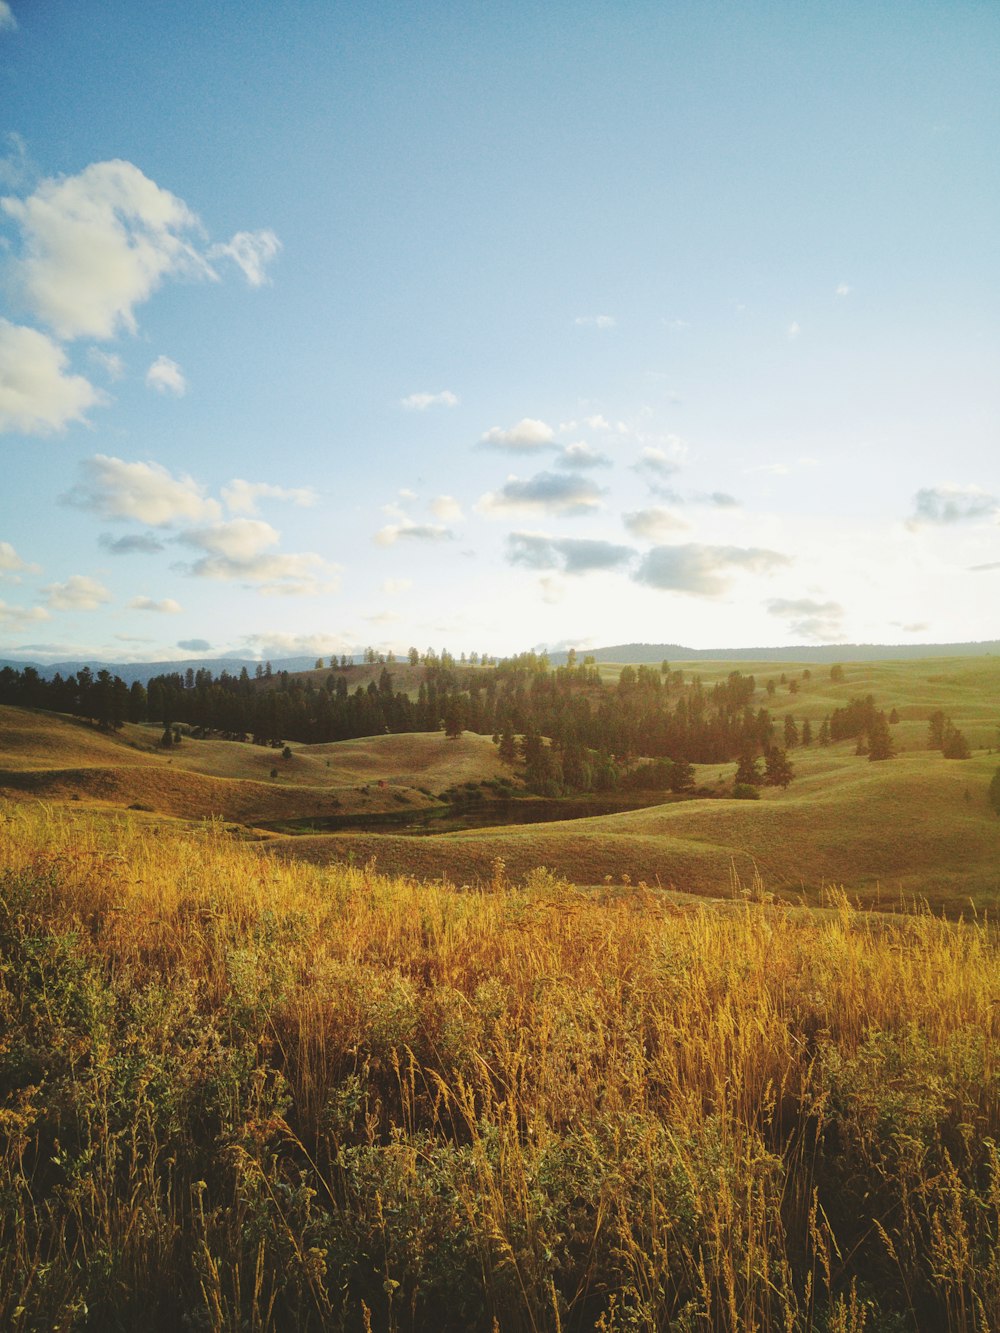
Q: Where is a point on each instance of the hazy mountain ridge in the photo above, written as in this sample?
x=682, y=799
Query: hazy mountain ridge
x=637, y=653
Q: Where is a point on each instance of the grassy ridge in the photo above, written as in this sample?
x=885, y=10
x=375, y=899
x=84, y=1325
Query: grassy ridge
x=241, y=1094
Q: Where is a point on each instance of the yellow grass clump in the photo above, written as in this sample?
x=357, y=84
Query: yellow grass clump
x=242, y=1094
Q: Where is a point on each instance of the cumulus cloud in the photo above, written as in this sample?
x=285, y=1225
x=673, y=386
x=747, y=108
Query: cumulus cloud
x=595, y=321
x=11, y=564
x=96, y=245
x=293, y=574
x=527, y=436
x=241, y=497
x=145, y=492
x=165, y=607
x=570, y=555
x=420, y=402
x=949, y=503
x=78, y=593
x=581, y=455
x=37, y=396
x=237, y=539
x=655, y=524
x=446, y=508
x=807, y=618
x=18, y=618
x=251, y=252
x=8, y=22
x=703, y=571
x=166, y=376
x=546, y=492
x=139, y=543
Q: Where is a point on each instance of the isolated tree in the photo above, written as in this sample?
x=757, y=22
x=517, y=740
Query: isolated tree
x=955, y=745
x=937, y=724
x=837, y=673
x=777, y=768
x=748, y=772
x=807, y=732
x=880, y=744
x=791, y=732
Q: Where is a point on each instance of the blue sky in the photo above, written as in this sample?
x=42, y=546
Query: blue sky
x=482, y=327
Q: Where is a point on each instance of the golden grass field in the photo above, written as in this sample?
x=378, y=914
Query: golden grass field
x=237, y=1094
x=916, y=826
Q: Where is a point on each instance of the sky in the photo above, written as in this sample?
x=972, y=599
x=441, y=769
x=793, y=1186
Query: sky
x=495, y=327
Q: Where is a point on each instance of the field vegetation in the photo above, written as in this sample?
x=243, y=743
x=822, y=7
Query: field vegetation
x=241, y=1094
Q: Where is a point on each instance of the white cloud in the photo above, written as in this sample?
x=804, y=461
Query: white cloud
x=394, y=586
x=166, y=376
x=703, y=571
x=241, y=496
x=11, y=564
x=950, y=503
x=251, y=251
x=8, y=23
x=134, y=543
x=237, y=539
x=546, y=492
x=446, y=508
x=794, y=329
x=294, y=574
x=844, y=289
x=527, y=436
x=809, y=619
x=110, y=362
x=656, y=524
x=146, y=492
x=36, y=394
x=21, y=617
x=571, y=555
x=408, y=530
x=167, y=606
x=98, y=244
x=595, y=321
x=658, y=463
x=78, y=593
x=420, y=402
x=581, y=454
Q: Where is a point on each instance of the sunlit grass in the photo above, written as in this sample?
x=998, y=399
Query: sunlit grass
x=245, y=1094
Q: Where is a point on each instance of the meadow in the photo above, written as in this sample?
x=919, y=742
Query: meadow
x=252, y=1082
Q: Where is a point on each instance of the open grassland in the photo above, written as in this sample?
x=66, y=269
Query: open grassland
x=241, y=1094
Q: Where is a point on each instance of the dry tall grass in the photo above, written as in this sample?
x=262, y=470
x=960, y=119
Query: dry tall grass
x=239, y=1094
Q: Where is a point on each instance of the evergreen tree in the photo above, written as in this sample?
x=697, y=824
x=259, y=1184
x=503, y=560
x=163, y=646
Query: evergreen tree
x=880, y=744
x=748, y=772
x=777, y=768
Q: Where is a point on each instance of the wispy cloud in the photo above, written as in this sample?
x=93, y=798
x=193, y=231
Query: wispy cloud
x=794, y=330
x=251, y=252
x=595, y=321
x=18, y=618
x=241, y=497
x=807, y=618
x=843, y=289
x=8, y=23
x=407, y=530
x=12, y=566
x=420, y=402
x=581, y=455
x=133, y=543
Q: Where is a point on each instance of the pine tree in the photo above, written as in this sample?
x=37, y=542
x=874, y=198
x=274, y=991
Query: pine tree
x=880, y=744
x=777, y=768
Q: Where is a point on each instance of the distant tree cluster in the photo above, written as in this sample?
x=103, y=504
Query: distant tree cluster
x=943, y=735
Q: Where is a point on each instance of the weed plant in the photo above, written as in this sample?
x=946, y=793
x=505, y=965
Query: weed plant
x=243, y=1095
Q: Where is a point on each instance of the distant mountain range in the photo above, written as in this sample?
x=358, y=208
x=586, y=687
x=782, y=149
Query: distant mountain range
x=622, y=652
x=827, y=652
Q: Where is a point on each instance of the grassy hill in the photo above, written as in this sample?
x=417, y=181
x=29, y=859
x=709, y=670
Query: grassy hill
x=917, y=825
